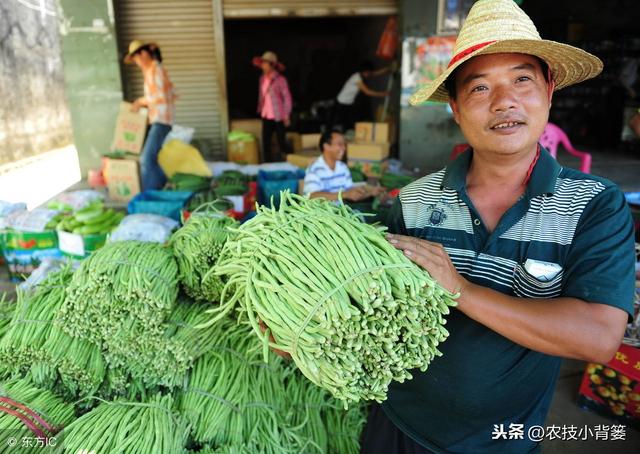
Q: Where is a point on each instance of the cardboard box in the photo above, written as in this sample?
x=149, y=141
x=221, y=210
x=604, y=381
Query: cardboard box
x=372, y=132
x=613, y=389
x=123, y=178
x=243, y=151
x=250, y=125
x=131, y=128
x=295, y=141
x=310, y=141
x=303, y=159
x=368, y=151
x=370, y=168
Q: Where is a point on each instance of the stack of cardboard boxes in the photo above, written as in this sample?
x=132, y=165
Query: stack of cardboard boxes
x=370, y=151
x=122, y=174
x=305, y=149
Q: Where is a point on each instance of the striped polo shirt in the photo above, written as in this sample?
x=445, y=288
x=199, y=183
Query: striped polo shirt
x=321, y=178
x=570, y=235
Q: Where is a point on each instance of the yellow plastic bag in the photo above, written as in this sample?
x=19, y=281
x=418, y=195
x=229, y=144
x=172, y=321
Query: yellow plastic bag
x=176, y=156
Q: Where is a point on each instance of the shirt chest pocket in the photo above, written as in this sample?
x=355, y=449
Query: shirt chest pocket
x=532, y=282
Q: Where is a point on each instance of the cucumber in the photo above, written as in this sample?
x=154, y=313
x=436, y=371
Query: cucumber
x=89, y=215
x=106, y=215
x=91, y=206
x=93, y=229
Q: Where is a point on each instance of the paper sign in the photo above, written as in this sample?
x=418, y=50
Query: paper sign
x=71, y=243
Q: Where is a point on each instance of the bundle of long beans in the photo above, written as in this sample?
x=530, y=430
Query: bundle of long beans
x=73, y=366
x=118, y=300
x=183, y=326
x=33, y=320
x=196, y=246
x=235, y=402
x=353, y=312
x=121, y=426
x=7, y=307
x=27, y=411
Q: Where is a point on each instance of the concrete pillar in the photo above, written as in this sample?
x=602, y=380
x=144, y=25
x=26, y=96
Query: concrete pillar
x=92, y=75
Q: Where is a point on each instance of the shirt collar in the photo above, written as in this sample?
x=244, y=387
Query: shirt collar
x=543, y=178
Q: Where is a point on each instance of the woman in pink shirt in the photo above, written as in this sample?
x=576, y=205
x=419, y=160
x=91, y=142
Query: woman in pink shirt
x=274, y=104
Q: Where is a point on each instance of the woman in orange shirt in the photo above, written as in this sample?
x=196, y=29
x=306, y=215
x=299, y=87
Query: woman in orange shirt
x=159, y=98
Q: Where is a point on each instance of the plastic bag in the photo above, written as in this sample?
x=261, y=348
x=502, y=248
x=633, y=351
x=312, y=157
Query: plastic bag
x=7, y=209
x=47, y=266
x=181, y=133
x=151, y=228
x=177, y=156
x=30, y=221
x=74, y=200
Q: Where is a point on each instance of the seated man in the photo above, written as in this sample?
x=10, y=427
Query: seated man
x=328, y=175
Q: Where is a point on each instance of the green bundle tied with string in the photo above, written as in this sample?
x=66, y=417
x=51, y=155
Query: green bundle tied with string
x=196, y=247
x=237, y=403
x=31, y=324
x=119, y=300
x=122, y=426
x=352, y=311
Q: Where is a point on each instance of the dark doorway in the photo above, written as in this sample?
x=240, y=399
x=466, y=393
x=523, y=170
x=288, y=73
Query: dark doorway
x=319, y=53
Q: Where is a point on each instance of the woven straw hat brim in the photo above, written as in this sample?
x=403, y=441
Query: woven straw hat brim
x=569, y=65
x=128, y=59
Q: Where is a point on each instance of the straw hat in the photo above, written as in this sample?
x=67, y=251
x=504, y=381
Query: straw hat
x=135, y=46
x=500, y=26
x=271, y=57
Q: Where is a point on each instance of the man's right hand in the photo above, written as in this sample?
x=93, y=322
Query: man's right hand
x=355, y=194
x=280, y=353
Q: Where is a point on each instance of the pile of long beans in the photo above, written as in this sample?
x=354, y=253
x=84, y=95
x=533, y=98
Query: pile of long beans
x=125, y=286
x=222, y=383
x=33, y=320
x=27, y=410
x=73, y=366
x=197, y=246
x=120, y=426
x=7, y=307
x=183, y=326
x=118, y=300
x=237, y=403
x=353, y=312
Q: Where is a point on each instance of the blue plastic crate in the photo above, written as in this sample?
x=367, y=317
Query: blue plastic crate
x=164, y=203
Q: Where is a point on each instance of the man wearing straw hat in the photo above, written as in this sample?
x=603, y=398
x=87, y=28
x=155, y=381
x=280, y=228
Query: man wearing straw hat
x=541, y=255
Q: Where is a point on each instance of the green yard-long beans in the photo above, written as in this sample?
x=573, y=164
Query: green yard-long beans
x=128, y=427
x=7, y=307
x=235, y=402
x=353, y=312
x=50, y=410
x=196, y=247
x=33, y=320
x=119, y=299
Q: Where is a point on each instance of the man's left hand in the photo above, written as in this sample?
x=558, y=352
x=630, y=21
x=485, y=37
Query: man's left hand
x=432, y=257
x=286, y=121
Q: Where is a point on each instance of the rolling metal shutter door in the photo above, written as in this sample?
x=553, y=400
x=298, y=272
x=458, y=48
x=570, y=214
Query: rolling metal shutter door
x=190, y=35
x=307, y=8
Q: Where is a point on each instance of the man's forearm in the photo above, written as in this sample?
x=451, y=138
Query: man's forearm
x=325, y=195
x=567, y=327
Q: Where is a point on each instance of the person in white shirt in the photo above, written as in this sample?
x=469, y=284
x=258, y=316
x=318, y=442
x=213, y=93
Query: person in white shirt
x=343, y=108
x=328, y=175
